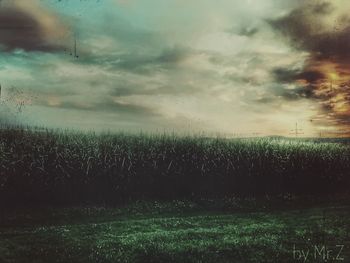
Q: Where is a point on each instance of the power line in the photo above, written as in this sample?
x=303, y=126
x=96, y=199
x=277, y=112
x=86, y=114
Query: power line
x=296, y=131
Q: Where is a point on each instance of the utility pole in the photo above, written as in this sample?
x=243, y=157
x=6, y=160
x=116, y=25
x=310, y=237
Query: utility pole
x=296, y=131
x=74, y=52
x=75, y=47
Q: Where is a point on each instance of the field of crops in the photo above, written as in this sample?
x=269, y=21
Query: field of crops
x=65, y=167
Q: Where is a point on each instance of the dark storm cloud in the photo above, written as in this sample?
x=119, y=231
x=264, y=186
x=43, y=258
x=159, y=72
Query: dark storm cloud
x=343, y=119
x=299, y=93
x=322, y=8
x=276, y=94
x=325, y=74
x=291, y=75
x=107, y=105
x=20, y=30
x=305, y=30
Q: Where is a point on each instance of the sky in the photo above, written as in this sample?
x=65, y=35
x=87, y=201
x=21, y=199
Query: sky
x=236, y=68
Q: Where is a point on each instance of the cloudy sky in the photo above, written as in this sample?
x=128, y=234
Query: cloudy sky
x=227, y=66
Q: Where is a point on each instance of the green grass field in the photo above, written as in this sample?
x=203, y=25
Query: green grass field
x=82, y=197
x=175, y=232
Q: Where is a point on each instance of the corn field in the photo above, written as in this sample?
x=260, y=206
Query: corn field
x=68, y=167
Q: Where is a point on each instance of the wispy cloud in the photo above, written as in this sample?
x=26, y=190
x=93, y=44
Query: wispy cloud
x=233, y=66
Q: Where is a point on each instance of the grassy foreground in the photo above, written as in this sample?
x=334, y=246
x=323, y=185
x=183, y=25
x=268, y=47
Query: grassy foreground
x=182, y=234
x=243, y=199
